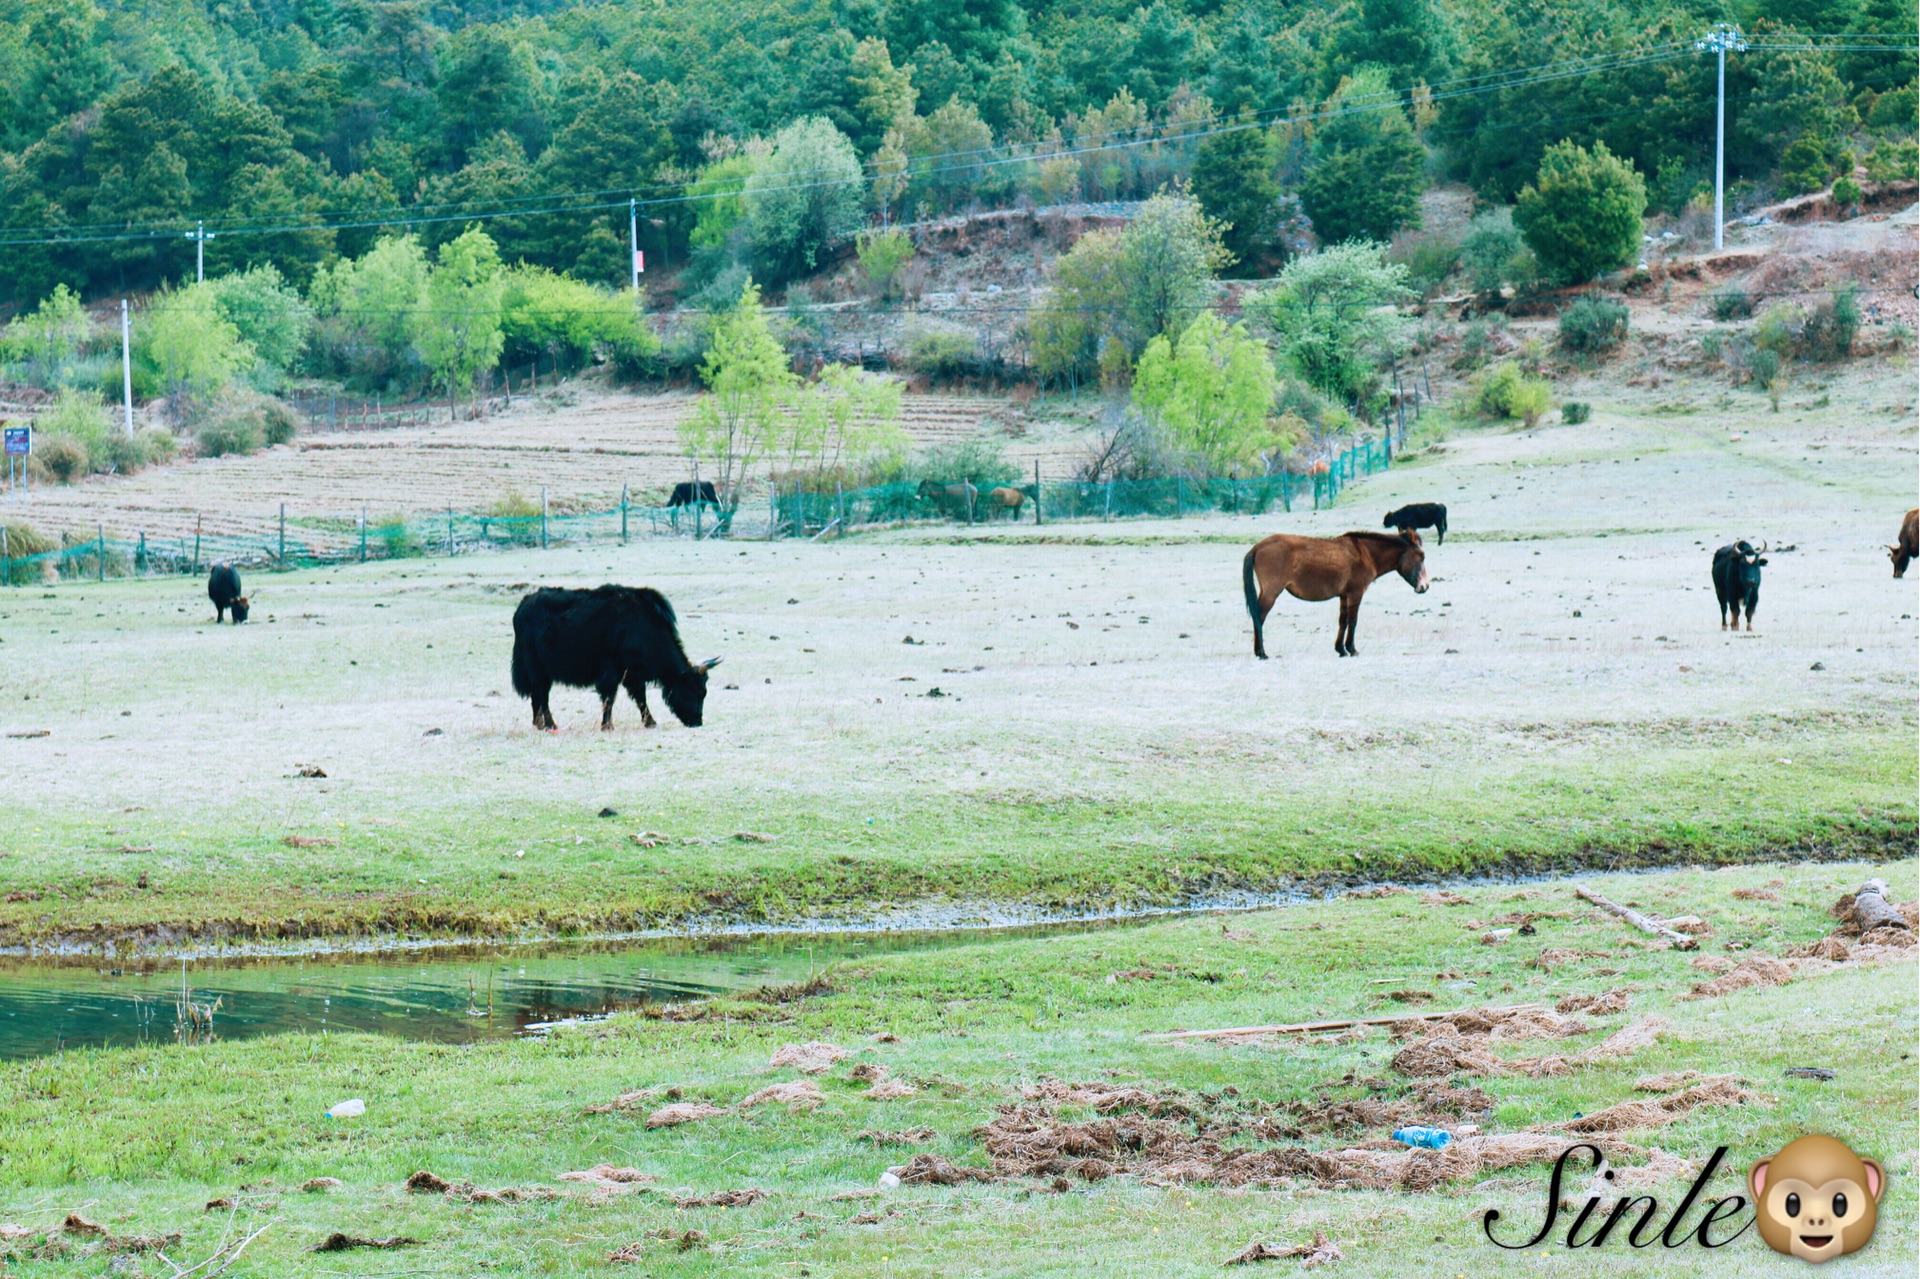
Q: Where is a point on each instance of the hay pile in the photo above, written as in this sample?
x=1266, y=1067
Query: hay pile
x=811, y=1058
x=1718, y=1090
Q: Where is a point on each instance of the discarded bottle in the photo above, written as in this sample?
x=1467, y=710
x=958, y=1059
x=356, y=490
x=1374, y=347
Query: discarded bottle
x=1427, y=1138
x=347, y=1109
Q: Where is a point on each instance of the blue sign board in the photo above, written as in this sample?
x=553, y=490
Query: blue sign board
x=19, y=441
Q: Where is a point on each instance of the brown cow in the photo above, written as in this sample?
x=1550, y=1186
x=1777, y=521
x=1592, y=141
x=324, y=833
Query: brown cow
x=1902, y=554
x=1319, y=568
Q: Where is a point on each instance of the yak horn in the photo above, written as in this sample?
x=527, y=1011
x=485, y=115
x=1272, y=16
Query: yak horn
x=710, y=663
x=1763, y=549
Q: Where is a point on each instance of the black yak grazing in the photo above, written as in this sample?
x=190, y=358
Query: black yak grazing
x=603, y=639
x=223, y=588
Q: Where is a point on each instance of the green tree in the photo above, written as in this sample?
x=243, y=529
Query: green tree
x=369, y=309
x=46, y=344
x=271, y=312
x=458, y=332
x=947, y=154
x=1332, y=314
x=1234, y=178
x=183, y=345
x=1366, y=170
x=740, y=418
x=803, y=199
x=1084, y=304
x=1211, y=392
x=1581, y=215
x=1170, y=251
x=1412, y=40
x=544, y=315
x=847, y=423
x=487, y=85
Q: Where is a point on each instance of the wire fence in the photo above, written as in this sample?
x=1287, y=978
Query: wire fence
x=295, y=540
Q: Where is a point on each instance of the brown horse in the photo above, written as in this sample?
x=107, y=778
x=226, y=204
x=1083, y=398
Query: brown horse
x=1005, y=499
x=1319, y=568
x=1902, y=553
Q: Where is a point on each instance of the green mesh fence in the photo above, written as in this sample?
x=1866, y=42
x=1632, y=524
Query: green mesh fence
x=298, y=541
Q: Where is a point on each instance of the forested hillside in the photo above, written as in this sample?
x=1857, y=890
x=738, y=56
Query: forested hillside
x=301, y=130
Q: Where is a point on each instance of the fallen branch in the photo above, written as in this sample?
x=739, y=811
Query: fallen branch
x=1644, y=923
x=1311, y=1027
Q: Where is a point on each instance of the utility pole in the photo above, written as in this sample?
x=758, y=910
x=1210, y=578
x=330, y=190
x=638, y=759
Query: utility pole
x=126, y=363
x=633, y=239
x=200, y=237
x=1718, y=41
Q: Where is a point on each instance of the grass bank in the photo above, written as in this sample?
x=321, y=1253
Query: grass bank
x=141, y=1140
x=505, y=870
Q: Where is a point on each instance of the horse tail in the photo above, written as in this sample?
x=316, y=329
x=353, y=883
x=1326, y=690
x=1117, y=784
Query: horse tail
x=1251, y=585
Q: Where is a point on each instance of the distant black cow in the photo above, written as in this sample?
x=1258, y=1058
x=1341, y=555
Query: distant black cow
x=1431, y=515
x=602, y=639
x=223, y=588
x=1736, y=580
x=683, y=494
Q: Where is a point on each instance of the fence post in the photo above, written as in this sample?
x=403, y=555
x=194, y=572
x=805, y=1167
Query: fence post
x=449, y=530
x=1109, y=511
x=363, y=535
x=840, y=505
x=971, y=490
x=1179, y=498
x=623, y=513
x=6, y=558
x=140, y=556
x=196, y=543
x=1036, y=492
x=543, y=517
x=100, y=546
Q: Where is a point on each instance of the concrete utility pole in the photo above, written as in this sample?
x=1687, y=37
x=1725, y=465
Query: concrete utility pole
x=126, y=363
x=633, y=240
x=200, y=237
x=1723, y=37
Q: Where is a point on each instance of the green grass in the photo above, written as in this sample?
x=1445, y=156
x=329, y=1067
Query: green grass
x=501, y=868
x=140, y=1139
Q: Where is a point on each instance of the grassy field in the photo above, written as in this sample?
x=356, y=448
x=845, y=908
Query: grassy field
x=938, y=726
x=138, y=1141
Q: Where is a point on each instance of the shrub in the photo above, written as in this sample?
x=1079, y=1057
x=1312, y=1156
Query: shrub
x=1764, y=366
x=1730, y=302
x=1712, y=344
x=395, y=535
x=1893, y=161
x=1592, y=325
x=939, y=350
x=1490, y=251
x=978, y=460
x=1846, y=192
x=278, y=422
x=1777, y=328
x=1581, y=215
x=62, y=458
x=230, y=433
x=1575, y=412
x=82, y=417
x=1828, y=332
x=1530, y=400
x=1805, y=166
x=882, y=254
x=157, y=446
x=1428, y=263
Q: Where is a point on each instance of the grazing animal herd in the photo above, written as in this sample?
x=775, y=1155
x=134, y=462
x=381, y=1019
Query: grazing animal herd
x=615, y=637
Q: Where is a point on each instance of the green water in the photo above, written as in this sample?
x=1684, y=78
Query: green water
x=464, y=996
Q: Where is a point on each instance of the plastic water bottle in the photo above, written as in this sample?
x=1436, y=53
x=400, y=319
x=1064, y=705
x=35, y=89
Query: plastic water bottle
x=1426, y=1138
x=353, y=1107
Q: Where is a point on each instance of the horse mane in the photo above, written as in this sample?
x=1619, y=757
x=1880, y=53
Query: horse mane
x=1397, y=539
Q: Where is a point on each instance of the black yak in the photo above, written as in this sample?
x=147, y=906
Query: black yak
x=686, y=493
x=1431, y=515
x=223, y=588
x=1736, y=580
x=603, y=639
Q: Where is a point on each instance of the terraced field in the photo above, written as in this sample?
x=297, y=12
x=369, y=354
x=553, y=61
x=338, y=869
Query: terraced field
x=580, y=444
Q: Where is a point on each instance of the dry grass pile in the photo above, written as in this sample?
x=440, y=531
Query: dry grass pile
x=798, y=1094
x=1322, y=1251
x=1604, y=1005
x=812, y=1058
x=684, y=1112
x=1717, y=1090
x=1747, y=974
